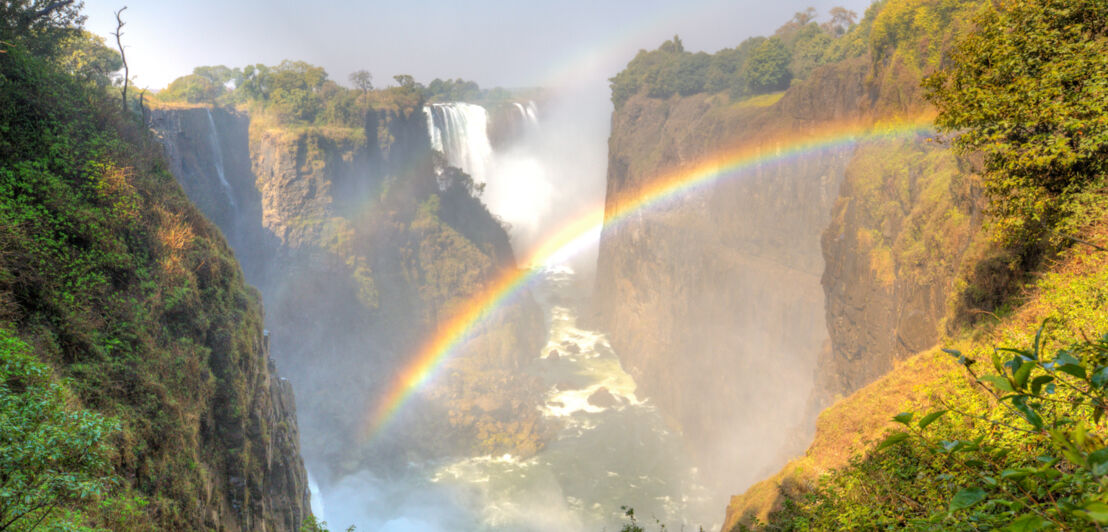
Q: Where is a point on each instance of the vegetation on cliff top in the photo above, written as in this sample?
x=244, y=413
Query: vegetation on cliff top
x=136, y=407
x=299, y=93
x=758, y=65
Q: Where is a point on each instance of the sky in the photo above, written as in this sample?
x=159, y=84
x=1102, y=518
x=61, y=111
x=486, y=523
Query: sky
x=509, y=43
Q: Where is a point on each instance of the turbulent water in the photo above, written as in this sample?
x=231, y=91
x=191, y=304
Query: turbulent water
x=607, y=454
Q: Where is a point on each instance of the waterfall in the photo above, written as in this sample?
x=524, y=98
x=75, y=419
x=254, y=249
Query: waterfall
x=528, y=114
x=217, y=155
x=460, y=132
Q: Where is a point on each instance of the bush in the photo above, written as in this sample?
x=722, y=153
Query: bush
x=53, y=456
x=1032, y=102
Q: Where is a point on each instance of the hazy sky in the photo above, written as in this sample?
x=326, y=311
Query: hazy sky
x=511, y=43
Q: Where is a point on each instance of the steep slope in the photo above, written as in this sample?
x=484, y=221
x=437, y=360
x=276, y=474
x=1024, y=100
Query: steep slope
x=1070, y=296
x=115, y=280
x=361, y=250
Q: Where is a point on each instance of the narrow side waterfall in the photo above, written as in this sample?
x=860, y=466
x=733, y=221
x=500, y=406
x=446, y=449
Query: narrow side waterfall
x=217, y=159
x=528, y=113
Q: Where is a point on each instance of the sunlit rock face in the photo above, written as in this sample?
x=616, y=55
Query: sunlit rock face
x=713, y=300
x=361, y=251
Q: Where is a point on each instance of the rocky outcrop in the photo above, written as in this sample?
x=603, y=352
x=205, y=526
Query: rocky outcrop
x=267, y=485
x=907, y=213
x=361, y=251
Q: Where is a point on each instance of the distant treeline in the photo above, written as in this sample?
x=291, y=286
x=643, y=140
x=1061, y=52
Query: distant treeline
x=299, y=92
x=762, y=65
x=756, y=66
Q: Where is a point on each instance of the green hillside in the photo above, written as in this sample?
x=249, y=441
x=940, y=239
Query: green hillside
x=135, y=388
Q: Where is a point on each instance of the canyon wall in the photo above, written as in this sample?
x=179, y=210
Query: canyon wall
x=748, y=305
x=713, y=300
x=361, y=251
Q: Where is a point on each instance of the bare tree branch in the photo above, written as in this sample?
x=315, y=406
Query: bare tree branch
x=126, y=72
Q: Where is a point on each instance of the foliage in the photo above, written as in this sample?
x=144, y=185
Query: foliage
x=757, y=66
x=39, y=25
x=1031, y=458
x=362, y=80
x=456, y=90
x=1033, y=102
x=295, y=93
x=767, y=70
x=192, y=88
x=52, y=455
x=85, y=55
x=120, y=284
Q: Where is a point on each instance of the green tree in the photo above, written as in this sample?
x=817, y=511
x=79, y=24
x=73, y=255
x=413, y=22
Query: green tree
x=192, y=88
x=51, y=454
x=405, y=81
x=217, y=74
x=86, y=56
x=1033, y=101
x=842, y=20
x=768, y=68
x=362, y=80
x=39, y=25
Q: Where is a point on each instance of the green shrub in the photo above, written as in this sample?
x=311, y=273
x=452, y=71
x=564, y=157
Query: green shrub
x=1032, y=102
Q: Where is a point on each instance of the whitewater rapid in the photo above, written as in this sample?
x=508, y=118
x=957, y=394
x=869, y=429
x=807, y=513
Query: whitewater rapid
x=606, y=455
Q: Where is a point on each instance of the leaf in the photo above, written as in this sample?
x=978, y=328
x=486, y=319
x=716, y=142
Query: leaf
x=930, y=418
x=997, y=381
x=965, y=498
x=1038, y=382
x=892, y=439
x=904, y=418
x=1066, y=363
x=1016, y=474
x=1039, y=339
x=1100, y=376
x=1098, y=461
x=1027, y=523
x=1028, y=412
x=1019, y=378
x=1097, y=511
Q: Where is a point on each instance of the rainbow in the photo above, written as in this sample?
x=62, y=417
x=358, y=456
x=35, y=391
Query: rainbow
x=583, y=228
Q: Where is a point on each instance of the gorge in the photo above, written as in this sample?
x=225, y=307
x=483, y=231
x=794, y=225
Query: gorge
x=848, y=275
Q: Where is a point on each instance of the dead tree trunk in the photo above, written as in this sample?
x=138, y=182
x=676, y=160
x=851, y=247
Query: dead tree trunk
x=126, y=72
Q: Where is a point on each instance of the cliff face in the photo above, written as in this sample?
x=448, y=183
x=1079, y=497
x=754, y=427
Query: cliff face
x=905, y=217
x=713, y=301
x=126, y=291
x=747, y=307
x=360, y=252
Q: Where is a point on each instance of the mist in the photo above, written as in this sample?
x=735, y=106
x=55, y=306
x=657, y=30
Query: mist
x=606, y=441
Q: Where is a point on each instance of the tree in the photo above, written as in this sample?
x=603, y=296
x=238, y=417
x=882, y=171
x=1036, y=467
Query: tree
x=85, y=55
x=192, y=88
x=1033, y=103
x=405, y=81
x=768, y=68
x=217, y=74
x=122, y=55
x=39, y=24
x=842, y=19
x=363, y=80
